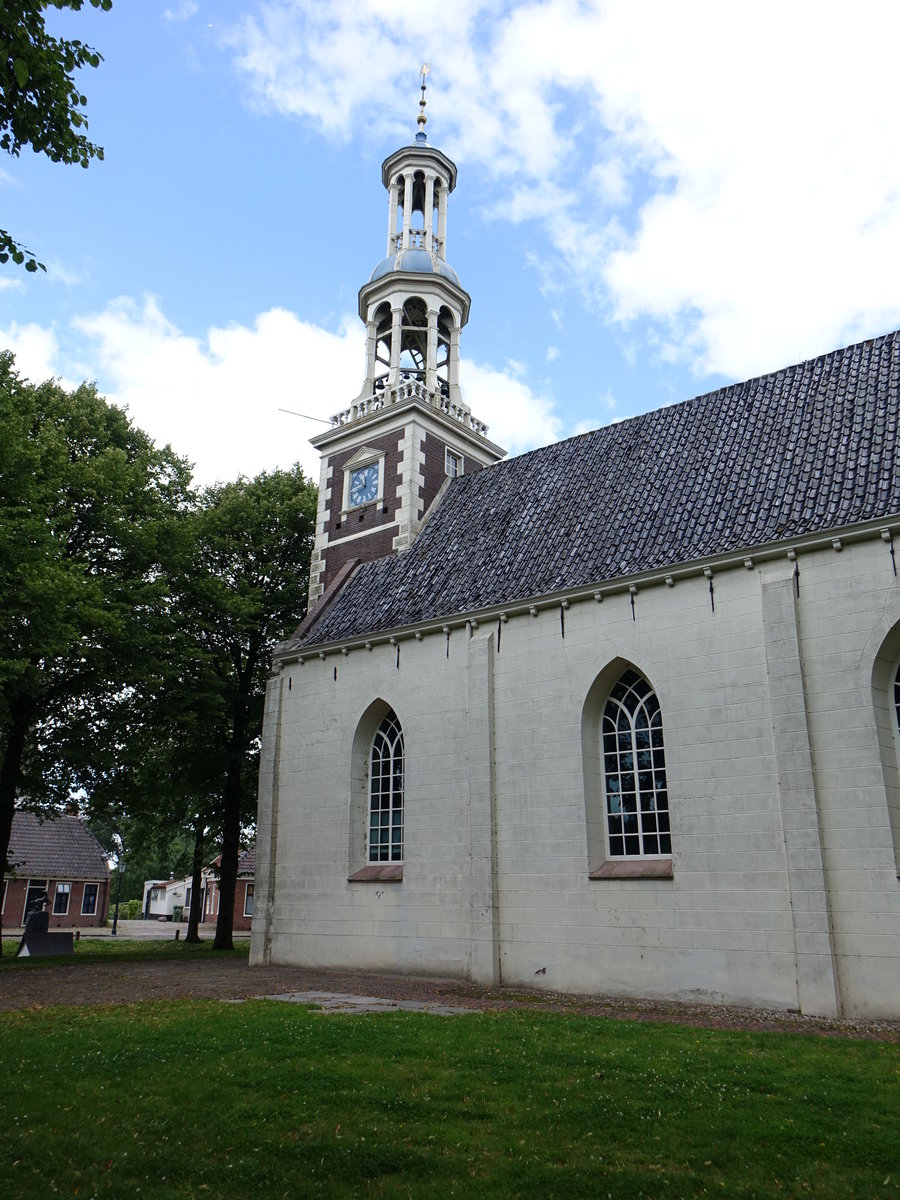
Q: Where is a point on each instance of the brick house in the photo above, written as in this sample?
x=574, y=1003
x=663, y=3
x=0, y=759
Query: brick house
x=243, y=892
x=58, y=856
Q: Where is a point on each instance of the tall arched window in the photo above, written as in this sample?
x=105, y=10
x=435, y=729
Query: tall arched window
x=886, y=710
x=634, y=770
x=386, y=792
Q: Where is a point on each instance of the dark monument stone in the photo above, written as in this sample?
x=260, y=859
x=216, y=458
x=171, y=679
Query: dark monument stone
x=37, y=941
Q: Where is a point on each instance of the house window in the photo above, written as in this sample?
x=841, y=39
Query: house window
x=386, y=792
x=634, y=771
x=61, y=899
x=248, y=901
x=897, y=695
x=35, y=896
x=453, y=463
x=3, y=905
x=89, y=899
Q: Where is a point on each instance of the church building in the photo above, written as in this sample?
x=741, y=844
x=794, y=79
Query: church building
x=616, y=716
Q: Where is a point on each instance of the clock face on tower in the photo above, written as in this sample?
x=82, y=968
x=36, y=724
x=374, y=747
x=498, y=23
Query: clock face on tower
x=363, y=485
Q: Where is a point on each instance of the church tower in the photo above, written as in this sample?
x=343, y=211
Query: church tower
x=387, y=456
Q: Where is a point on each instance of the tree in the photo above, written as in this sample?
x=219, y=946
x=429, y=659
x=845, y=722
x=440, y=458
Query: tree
x=149, y=849
x=147, y=787
x=40, y=105
x=242, y=589
x=87, y=505
x=184, y=759
x=137, y=623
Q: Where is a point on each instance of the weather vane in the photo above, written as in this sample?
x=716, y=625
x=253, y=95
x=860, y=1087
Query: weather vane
x=424, y=71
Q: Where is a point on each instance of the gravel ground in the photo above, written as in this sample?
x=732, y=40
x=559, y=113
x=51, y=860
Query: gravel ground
x=126, y=982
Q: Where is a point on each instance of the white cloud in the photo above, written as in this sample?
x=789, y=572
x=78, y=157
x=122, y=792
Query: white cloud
x=36, y=350
x=182, y=11
x=58, y=272
x=216, y=399
x=605, y=405
x=780, y=215
x=610, y=179
x=518, y=419
x=764, y=218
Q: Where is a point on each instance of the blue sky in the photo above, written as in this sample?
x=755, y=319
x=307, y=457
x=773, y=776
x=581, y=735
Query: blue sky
x=653, y=200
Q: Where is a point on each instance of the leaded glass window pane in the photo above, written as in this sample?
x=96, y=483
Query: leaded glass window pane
x=386, y=792
x=634, y=767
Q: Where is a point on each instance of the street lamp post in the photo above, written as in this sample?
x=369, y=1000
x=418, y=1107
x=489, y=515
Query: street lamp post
x=120, y=856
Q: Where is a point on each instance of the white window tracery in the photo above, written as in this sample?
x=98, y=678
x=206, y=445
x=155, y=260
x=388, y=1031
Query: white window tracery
x=634, y=771
x=386, y=792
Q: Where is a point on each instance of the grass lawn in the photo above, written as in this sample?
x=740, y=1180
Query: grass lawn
x=89, y=950
x=261, y=1099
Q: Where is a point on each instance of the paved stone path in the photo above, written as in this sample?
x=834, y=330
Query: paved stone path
x=126, y=982
x=344, y=1002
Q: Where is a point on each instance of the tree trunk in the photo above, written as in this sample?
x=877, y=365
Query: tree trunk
x=231, y=837
x=231, y=818
x=21, y=710
x=193, y=929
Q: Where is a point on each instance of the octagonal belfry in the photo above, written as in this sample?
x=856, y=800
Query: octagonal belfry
x=388, y=455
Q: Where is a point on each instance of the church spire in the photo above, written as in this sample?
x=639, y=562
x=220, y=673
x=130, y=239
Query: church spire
x=387, y=456
x=413, y=304
x=422, y=120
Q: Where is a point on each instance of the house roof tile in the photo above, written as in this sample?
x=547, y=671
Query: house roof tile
x=60, y=847
x=246, y=862
x=810, y=448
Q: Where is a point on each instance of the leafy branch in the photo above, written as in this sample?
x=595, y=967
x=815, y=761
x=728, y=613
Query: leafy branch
x=40, y=104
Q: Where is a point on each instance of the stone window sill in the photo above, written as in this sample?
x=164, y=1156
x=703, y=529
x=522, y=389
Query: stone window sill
x=638, y=868
x=378, y=873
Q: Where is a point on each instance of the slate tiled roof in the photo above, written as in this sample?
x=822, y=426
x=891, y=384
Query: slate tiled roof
x=58, y=848
x=246, y=862
x=807, y=449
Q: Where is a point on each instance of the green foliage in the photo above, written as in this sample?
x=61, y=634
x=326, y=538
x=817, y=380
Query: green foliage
x=137, y=623
x=40, y=104
x=494, y=1105
x=86, y=500
x=154, y=847
x=11, y=249
x=242, y=585
x=187, y=756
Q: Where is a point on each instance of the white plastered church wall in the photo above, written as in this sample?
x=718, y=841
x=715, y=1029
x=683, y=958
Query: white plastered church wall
x=784, y=891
